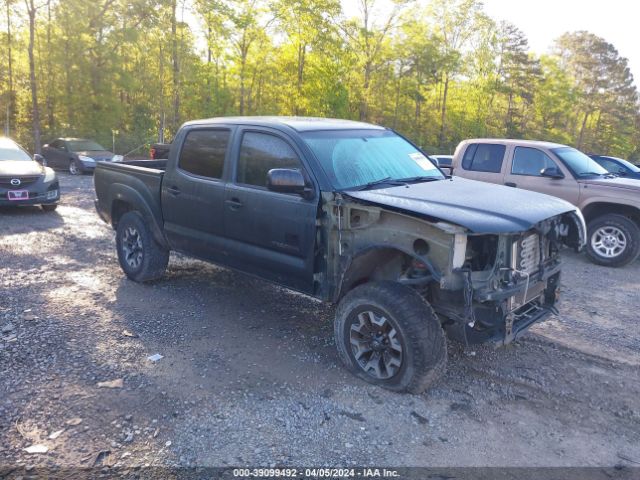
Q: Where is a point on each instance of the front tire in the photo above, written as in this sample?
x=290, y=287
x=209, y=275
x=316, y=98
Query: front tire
x=388, y=335
x=141, y=258
x=614, y=240
x=74, y=168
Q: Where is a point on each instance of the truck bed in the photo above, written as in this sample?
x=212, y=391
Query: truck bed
x=142, y=178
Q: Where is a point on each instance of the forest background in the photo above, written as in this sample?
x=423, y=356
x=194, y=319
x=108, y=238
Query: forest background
x=129, y=72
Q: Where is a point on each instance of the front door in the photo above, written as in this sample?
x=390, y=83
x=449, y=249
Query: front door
x=525, y=171
x=272, y=234
x=56, y=155
x=193, y=194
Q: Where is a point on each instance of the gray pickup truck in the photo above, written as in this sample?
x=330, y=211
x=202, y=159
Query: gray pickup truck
x=610, y=204
x=353, y=214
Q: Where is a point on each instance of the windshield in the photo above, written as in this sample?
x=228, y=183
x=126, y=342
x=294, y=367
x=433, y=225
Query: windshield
x=633, y=168
x=580, y=164
x=355, y=158
x=10, y=150
x=84, y=146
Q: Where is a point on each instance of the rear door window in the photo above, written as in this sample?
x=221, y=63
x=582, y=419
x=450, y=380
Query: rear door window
x=203, y=152
x=484, y=157
x=261, y=152
x=530, y=161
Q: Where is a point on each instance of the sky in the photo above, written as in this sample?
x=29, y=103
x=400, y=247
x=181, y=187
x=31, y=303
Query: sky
x=617, y=21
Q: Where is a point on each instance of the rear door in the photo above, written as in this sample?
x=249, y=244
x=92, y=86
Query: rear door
x=484, y=162
x=524, y=171
x=272, y=234
x=193, y=192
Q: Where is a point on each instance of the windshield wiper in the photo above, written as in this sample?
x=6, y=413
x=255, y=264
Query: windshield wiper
x=375, y=183
x=584, y=174
x=422, y=178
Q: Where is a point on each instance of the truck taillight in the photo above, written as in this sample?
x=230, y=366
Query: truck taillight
x=152, y=153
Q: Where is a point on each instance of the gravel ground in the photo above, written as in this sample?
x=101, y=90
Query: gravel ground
x=249, y=374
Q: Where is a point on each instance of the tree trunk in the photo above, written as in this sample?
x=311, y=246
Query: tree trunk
x=364, y=101
x=244, y=53
x=584, y=124
x=302, y=50
x=161, y=120
x=50, y=74
x=11, y=100
x=176, y=67
x=35, y=115
x=443, y=112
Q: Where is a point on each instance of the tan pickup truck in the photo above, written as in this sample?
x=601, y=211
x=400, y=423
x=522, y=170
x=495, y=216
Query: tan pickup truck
x=610, y=205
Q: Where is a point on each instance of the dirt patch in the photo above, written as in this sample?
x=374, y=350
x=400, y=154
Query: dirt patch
x=249, y=374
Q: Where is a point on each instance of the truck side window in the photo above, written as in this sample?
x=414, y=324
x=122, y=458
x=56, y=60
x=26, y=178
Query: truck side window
x=203, y=152
x=530, y=161
x=259, y=153
x=483, y=157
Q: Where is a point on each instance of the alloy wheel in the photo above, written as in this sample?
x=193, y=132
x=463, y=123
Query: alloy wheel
x=132, y=247
x=376, y=345
x=608, y=241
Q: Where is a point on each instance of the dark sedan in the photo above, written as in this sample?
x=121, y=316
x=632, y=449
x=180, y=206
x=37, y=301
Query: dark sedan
x=618, y=166
x=77, y=155
x=24, y=180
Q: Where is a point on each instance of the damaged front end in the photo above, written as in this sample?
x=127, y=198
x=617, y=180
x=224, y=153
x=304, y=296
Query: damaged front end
x=485, y=287
x=507, y=282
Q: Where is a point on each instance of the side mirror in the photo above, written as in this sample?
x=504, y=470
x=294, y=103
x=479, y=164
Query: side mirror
x=552, y=172
x=286, y=180
x=40, y=159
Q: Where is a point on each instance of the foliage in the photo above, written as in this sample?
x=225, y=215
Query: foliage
x=438, y=73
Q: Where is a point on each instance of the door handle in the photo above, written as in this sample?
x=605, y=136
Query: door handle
x=510, y=184
x=174, y=190
x=234, y=203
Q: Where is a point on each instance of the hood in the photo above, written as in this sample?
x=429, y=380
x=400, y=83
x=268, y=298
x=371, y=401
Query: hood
x=616, y=182
x=480, y=207
x=10, y=168
x=96, y=154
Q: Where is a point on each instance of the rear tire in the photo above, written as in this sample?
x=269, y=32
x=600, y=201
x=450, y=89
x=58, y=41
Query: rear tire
x=388, y=335
x=49, y=207
x=614, y=240
x=141, y=258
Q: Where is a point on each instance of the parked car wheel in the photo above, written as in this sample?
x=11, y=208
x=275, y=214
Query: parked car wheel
x=614, y=240
x=141, y=258
x=49, y=207
x=74, y=169
x=388, y=335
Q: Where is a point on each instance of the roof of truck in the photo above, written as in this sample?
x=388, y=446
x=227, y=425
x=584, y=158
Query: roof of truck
x=513, y=141
x=301, y=124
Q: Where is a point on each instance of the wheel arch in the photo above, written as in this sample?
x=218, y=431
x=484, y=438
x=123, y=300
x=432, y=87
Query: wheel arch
x=126, y=199
x=597, y=209
x=378, y=263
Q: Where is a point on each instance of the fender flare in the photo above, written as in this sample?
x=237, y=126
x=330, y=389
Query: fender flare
x=147, y=207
